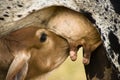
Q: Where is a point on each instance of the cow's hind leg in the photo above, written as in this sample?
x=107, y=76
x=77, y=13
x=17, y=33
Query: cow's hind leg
x=99, y=67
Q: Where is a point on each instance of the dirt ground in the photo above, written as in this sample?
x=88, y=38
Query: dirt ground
x=69, y=70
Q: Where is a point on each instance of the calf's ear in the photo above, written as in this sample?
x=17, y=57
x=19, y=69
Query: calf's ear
x=18, y=68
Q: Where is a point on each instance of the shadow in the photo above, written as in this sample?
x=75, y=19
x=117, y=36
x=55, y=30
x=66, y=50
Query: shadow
x=100, y=67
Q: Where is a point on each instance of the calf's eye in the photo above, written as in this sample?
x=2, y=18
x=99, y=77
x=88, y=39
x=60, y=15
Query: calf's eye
x=43, y=37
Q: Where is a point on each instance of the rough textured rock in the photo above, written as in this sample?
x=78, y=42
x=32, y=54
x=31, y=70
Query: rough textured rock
x=103, y=13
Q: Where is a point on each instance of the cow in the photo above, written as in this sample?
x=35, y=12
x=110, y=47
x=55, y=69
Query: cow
x=81, y=32
x=78, y=31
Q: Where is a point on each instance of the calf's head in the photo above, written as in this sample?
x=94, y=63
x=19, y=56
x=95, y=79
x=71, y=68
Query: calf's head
x=36, y=51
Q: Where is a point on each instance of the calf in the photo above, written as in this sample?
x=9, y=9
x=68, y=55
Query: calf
x=29, y=53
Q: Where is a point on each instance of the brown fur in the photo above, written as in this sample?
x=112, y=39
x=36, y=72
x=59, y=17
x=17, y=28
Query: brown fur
x=77, y=29
x=29, y=58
